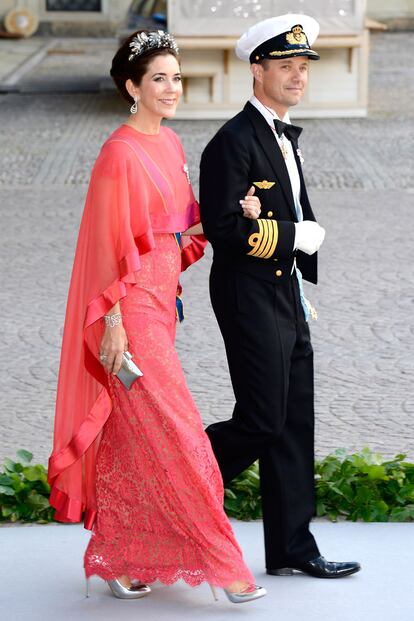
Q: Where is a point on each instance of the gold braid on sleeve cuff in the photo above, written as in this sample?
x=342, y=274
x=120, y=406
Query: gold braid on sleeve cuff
x=264, y=242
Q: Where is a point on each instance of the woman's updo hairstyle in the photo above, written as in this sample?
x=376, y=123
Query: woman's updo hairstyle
x=123, y=69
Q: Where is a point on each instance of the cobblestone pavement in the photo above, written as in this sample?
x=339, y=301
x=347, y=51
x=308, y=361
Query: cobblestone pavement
x=361, y=182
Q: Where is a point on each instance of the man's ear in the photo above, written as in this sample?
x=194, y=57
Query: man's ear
x=257, y=71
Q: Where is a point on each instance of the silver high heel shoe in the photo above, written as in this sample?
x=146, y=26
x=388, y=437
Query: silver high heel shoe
x=135, y=591
x=251, y=592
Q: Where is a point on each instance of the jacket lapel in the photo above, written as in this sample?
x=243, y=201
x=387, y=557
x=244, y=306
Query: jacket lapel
x=272, y=152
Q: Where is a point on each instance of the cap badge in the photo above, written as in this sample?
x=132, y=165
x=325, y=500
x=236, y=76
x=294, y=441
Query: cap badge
x=296, y=36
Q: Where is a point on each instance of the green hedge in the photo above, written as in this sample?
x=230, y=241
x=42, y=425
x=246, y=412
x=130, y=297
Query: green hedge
x=24, y=491
x=359, y=486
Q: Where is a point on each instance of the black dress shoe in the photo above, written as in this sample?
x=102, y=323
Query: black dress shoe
x=319, y=568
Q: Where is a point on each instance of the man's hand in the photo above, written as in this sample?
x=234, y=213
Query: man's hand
x=309, y=236
x=251, y=205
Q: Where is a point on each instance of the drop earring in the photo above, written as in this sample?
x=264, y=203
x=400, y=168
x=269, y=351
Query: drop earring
x=134, y=108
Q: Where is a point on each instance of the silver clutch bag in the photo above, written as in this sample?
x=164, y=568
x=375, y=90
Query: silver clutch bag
x=129, y=372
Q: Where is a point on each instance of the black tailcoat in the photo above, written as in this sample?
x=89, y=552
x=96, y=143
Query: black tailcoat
x=256, y=300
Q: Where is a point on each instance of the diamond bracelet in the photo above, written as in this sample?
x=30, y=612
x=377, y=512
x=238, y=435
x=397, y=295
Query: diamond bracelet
x=113, y=320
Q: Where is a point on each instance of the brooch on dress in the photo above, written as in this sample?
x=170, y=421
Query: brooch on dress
x=185, y=169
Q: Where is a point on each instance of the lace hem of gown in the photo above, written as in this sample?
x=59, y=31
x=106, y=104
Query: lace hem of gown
x=193, y=577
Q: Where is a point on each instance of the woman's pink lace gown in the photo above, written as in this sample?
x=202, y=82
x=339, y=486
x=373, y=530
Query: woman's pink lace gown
x=159, y=490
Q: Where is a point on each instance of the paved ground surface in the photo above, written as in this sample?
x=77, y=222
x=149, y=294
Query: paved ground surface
x=58, y=64
x=361, y=182
x=50, y=560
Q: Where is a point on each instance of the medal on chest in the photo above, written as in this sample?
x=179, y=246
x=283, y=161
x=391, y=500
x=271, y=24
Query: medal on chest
x=284, y=148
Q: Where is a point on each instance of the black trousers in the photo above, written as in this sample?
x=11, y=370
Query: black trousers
x=270, y=360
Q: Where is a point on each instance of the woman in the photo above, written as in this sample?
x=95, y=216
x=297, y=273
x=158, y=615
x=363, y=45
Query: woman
x=138, y=462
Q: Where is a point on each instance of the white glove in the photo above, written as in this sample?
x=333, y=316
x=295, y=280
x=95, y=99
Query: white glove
x=308, y=236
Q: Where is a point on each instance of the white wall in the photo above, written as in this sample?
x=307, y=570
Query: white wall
x=115, y=10
x=390, y=8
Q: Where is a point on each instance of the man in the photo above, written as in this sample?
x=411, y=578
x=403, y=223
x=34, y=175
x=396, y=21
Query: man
x=257, y=295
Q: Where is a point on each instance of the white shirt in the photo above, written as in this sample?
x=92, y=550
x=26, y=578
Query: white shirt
x=290, y=161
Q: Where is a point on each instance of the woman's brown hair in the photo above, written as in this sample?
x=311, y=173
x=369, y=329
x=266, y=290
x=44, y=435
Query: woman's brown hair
x=123, y=69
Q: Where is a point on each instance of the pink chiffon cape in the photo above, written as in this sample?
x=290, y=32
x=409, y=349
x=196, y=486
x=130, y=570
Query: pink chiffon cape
x=139, y=186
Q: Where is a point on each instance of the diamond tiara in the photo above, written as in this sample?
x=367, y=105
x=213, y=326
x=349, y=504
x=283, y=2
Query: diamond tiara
x=142, y=42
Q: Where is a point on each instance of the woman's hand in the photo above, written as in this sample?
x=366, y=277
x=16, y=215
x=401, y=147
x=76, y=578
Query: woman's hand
x=251, y=205
x=113, y=344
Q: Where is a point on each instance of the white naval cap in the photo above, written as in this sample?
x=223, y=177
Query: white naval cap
x=279, y=37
